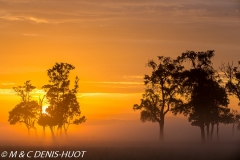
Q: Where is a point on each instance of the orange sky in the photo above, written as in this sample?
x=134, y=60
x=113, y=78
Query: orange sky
x=109, y=43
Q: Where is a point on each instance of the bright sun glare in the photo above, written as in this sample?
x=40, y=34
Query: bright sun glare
x=44, y=109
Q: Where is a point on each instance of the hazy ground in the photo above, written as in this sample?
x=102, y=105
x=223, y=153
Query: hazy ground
x=129, y=140
x=137, y=150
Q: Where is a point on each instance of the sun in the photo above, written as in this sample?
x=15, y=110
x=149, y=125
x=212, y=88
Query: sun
x=44, y=109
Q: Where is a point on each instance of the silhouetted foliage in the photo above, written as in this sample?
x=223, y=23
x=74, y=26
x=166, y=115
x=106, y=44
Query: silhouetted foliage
x=232, y=73
x=207, y=100
x=162, y=88
x=27, y=110
x=235, y=119
x=238, y=127
x=63, y=110
x=46, y=120
x=64, y=107
x=41, y=114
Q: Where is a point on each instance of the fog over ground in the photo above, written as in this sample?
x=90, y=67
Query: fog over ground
x=176, y=130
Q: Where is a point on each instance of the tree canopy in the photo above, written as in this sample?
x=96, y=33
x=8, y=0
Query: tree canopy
x=63, y=109
x=27, y=110
x=197, y=91
x=64, y=106
x=162, y=88
x=206, y=100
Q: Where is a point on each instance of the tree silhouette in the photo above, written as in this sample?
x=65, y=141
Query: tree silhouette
x=46, y=120
x=64, y=107
x=235, y=119
x=222, y=115
x=232, y=74
x=206, y=98
x=27, y=110
x=238, y=118
x=41, y=114
x=162, y=88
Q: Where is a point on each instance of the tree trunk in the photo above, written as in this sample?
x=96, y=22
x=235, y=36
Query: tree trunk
x=207, y=128
x=57, y=133
x=212, y=131
x=161, y=135
x=202, y=133
x=53, y=136
x=65, y=130
x=61, y=131
x=44, y=132
x=233, y=129
x=28, y=132
x=217, y=131
x=35, y=130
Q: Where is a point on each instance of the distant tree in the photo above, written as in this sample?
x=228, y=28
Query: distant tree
x=238, y=126
x=232, y=73
x=206, y=98
x=235, y=119
x=24, y=91
x=162, y=88
x=64, y=107
x=27, y=110
x=224, y=116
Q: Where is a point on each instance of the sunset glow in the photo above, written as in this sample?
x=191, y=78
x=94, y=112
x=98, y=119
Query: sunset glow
x=109, y=44
x=44, y=109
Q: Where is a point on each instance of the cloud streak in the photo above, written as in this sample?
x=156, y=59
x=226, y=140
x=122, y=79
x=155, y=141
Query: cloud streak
x=38, y=92
x=102, y=94
x=22, y=18
x=104, y=10
x=7, y=83
x=116, y=82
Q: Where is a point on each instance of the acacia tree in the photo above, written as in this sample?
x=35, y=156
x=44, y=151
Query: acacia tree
x=27, y=110
x=206, y=98
x=162, y=88
x=64, y=107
